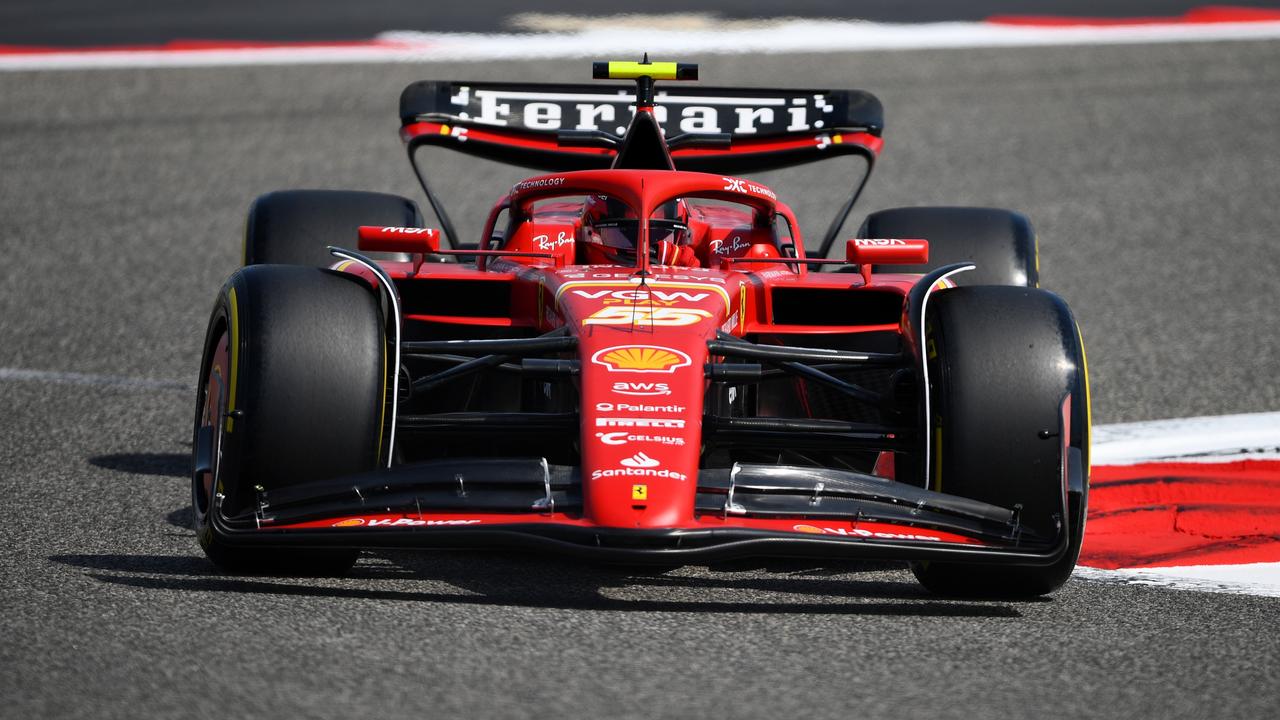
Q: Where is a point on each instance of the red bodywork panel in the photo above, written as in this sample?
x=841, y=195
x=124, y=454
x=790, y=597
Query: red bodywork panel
x=887, y=251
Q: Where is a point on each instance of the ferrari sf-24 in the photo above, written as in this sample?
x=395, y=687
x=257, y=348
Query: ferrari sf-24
x=640, y=360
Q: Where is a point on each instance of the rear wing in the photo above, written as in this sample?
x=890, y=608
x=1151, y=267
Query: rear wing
x=561, y=127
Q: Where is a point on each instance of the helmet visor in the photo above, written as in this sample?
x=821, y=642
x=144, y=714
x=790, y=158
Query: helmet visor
x=618, y=233
x=672, y=231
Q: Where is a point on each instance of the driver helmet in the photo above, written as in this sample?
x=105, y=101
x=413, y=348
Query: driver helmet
x=612, y=229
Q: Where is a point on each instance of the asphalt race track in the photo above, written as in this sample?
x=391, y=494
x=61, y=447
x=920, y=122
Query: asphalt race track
x=1151, y=172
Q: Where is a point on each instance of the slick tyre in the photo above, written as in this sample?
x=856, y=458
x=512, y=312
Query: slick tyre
x=1001, y=243
x=294, y=227
x=1006, y=364
x=292, y=390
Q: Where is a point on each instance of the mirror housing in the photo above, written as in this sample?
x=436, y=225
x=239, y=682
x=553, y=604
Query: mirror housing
x=415, y=241
x=886, y=251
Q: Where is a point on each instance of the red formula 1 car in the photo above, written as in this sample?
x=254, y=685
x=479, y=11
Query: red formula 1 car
x=639, y=361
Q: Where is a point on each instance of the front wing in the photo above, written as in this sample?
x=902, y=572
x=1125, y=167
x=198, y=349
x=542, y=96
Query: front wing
x=746, y=511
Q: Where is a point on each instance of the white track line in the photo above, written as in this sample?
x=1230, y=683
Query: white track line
x=786, y=36
x=1207, y=439
x=1256, y=579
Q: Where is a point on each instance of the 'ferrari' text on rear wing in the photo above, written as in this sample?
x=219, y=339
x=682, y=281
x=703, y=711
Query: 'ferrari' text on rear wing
x=567, y=127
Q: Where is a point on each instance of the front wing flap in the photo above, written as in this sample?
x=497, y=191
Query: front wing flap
x=745, y=511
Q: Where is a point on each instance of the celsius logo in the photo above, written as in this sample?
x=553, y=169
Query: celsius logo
x=641, y=388
x=640, y=460
x=641, y=359
x=622, y=438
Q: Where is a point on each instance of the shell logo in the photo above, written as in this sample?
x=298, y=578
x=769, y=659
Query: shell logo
x=349, y=522
x=807, y=529
x=641, y=359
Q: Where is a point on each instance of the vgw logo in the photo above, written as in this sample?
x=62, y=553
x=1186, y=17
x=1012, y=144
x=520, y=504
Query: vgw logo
x=659, y=296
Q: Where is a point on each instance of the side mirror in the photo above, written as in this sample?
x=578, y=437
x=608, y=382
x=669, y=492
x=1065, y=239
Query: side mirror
x=416, y=241
x=882, y=251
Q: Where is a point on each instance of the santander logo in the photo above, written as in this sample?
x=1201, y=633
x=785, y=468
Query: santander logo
x=640, y=460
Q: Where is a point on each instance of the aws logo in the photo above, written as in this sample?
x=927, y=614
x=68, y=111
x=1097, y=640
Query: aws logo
x=641, y=359
x=641, y=388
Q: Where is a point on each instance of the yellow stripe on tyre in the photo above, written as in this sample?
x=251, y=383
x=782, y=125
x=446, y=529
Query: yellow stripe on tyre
x=1088, y=405
x=233, y=320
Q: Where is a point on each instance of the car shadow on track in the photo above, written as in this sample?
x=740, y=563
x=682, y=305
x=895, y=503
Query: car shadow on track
x=175, y=465
x=166, y=464
x=526, y=580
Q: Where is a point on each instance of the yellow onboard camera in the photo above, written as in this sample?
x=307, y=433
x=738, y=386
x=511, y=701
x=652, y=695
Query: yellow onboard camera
x=615, y=70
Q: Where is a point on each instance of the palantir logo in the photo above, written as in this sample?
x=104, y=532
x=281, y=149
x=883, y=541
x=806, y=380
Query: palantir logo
x=640, y=460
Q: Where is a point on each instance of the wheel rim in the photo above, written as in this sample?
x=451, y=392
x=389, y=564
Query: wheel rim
x=213, y=411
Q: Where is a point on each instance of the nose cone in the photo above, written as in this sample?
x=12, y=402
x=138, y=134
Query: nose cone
x=642, y=352
x=641, y=428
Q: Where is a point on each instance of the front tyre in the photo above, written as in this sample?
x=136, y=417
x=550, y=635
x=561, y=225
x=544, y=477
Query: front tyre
x=295, y=227
x=1005, y=363
x=292, y=391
